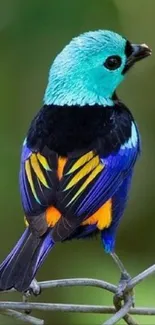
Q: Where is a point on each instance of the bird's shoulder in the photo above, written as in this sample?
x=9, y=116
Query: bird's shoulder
x=66, y=129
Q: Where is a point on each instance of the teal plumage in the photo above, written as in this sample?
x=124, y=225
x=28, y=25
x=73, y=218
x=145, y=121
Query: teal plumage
x=79, y=69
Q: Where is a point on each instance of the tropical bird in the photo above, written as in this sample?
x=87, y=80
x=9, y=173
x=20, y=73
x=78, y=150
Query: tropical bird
x=78, y=156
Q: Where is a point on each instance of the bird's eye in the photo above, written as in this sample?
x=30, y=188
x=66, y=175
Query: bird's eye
x=113, y=62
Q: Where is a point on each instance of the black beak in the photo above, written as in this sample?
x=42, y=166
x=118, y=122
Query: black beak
x=138, y=52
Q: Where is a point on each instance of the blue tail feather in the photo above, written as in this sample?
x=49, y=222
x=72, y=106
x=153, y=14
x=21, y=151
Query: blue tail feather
x=20, y=266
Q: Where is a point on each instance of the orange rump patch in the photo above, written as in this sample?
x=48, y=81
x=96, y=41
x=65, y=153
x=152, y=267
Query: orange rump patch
x=61, y=164
x=52, y=216
x=102, y=218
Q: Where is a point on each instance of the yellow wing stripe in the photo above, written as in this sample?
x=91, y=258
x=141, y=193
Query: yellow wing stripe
x=81, y=161
x=37, y=170
x=94, y=173
x=83, y=172
x=29, y=177
x=43, y=161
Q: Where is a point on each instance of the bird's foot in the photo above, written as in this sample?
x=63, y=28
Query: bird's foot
x=122, y=291
x=26, y=297
x=33, y=289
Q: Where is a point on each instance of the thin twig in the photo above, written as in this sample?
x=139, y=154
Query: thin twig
x=130, y=320
x=119, y=314
x=23, y=317
x=140, y=277
x=118, y=305
x=145, y=311
x=79, y=282
x=86, y=282
x=73, y=308
x=56, y=307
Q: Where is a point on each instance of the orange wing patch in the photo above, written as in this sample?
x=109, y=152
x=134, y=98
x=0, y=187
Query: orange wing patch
x=52, y=216
x=61, y=164
x=102, y=218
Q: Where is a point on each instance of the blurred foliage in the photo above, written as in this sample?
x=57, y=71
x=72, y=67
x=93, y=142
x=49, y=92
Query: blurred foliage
x=31, y=34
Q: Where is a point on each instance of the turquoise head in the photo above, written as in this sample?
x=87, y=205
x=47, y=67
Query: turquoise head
x=89, y=69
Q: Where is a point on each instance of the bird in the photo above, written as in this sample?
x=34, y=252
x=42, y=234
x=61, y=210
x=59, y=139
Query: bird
x=78, y=156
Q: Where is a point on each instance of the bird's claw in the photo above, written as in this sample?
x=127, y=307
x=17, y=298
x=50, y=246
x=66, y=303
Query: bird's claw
x=34, y=288
x=122, y=291
x=26, y=297
x=125, y=277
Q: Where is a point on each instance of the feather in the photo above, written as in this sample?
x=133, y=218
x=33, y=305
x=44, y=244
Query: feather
x=38, y=179
x=20, y=266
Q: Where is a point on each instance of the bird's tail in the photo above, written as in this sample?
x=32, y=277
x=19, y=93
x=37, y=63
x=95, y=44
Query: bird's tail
x=20, y=266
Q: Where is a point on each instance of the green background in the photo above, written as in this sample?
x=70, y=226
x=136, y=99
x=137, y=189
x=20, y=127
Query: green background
x=31, y=34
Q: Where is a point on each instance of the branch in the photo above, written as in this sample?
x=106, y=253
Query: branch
x=140, y=277
x=95, y=309
x=119, y=314
x=82, y=282
x=23, y=317
x=118, y=305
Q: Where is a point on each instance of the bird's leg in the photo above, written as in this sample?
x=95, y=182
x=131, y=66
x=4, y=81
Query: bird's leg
x=124, y=273
x=124, y=279
x=108, y=240
x=26, y=297
x=33, y=289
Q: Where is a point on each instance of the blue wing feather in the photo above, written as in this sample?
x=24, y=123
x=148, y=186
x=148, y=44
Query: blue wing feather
x=119, y=201
x=116, y=170
x=38, y=180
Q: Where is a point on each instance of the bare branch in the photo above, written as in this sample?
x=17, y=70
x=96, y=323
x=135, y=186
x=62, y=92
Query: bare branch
x=56, y=307
x=140, y=277
x=23, y=317
x=79, y=282
x=72, y=308
x=118, y=305
x=120, y=313
x=146, y=311
x=86, y=282
x=129, y=320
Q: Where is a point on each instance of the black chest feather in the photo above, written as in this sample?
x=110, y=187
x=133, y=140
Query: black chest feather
x=66, y=129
